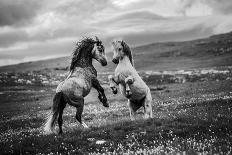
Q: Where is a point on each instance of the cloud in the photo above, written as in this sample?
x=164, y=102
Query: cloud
x=12, y=36
x=138, y=16
x=147, y=37
x=41, y=29
x=221, y=6
x=17, y=12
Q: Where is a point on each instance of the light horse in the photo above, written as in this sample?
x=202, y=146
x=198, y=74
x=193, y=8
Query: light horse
x=82, y=77
x=130, y=83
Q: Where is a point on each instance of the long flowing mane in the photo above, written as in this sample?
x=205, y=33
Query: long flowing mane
x=84, y=46
x=127, y=51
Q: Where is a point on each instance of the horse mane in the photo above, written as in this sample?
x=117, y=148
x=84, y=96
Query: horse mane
x=85, y=45
x=127, y=51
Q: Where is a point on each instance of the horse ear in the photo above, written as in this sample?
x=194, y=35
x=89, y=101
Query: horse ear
x=125, y=47
x=97, y=39
x=127, y=51
x=122, y=43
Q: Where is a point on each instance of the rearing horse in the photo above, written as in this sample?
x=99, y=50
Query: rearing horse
x=129, y=81
x=82, y=77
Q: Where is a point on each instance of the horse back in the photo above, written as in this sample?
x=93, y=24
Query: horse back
x=78, y=84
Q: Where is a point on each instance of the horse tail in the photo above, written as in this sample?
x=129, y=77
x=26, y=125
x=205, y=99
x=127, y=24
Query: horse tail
x=57, y=103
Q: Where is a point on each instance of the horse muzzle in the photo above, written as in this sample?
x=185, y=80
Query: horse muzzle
x=115, y=61
x=114, y=89
x=103, y=62
x=128, y=93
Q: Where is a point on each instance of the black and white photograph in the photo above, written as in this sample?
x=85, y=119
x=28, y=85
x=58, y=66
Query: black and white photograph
x=116, y=77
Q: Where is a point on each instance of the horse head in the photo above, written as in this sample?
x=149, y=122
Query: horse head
x=121, y=49
x=86, y=50
x=98, y=52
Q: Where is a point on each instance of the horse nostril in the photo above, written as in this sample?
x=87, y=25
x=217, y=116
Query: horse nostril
x=104, y=63
x=115, y=61
x=115, y=91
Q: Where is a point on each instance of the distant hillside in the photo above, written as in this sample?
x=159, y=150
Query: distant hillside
x=208, y=52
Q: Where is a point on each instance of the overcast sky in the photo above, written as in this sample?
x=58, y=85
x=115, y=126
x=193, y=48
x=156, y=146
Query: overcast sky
x=40, y=29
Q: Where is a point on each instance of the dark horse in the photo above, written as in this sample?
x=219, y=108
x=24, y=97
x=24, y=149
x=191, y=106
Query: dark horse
x=82, y=77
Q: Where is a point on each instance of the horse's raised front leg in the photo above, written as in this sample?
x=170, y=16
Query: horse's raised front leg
x=129, y=81
x=101, y=93
x=113, y=83
x=148, y=105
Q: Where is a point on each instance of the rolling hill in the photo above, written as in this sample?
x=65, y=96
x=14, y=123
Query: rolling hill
x=213, y=51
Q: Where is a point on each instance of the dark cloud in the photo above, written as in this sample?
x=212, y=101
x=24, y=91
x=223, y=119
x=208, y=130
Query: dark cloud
x=20, y=12
x=15, y=36
x=17, y=12
x=199, y=31
x=41, y=50
x=221, y=6
x=12, y=37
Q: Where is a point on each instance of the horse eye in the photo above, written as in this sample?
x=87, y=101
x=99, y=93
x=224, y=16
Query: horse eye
x=120, y=49
x=100, y=49
x=98, y=43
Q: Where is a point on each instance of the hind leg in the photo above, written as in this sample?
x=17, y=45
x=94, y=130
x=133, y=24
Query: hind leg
x=80, y=108
x=77, y=102
x=78, y=116
x=133, y=107
x=132, y=112
x=148, y=106
x=60, y=120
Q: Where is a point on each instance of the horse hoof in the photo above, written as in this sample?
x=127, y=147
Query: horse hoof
x=115, y=91
x=84, y=126
x=101, y=98
x=106, y=104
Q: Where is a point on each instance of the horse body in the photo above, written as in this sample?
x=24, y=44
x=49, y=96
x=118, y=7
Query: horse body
x=79, y=83
x=82, y=77
x=130, y=83
x=138, y=88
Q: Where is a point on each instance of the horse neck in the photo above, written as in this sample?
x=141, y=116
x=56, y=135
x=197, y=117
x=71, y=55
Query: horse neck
x=125, y=61
x=85, y=62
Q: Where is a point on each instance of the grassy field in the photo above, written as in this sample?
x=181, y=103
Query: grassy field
x=191, y=108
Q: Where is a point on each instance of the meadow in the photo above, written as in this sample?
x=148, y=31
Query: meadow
x=191, y=108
